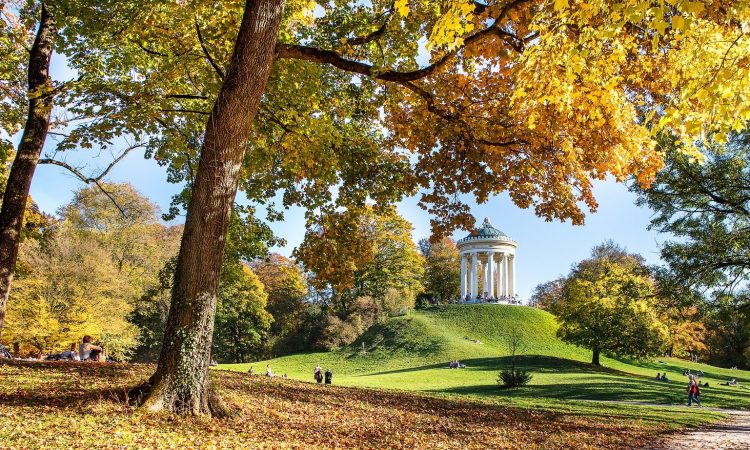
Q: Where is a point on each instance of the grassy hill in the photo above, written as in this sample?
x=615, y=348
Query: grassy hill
x=412, y=353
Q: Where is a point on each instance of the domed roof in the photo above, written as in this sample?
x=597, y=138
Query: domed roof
x=485, y=232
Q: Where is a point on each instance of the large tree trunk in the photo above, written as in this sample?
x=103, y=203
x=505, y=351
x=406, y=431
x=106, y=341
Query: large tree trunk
x=181, y=383
x=22, y=170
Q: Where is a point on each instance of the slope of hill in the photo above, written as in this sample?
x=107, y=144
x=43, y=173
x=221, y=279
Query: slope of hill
x=412, y=353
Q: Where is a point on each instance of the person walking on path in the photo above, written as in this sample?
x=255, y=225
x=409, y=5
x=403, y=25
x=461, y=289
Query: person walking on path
x=318, y=374
x=693, y=392
x=329, y=376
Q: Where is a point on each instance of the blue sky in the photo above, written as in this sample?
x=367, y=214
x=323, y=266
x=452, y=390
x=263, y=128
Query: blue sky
x=546, y=249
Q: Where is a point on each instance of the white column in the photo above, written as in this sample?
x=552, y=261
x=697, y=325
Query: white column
x=490, y=274
x=504, y=275
x=512, y=277
x=484, y=278
x=463, y=277
x=498, y=279
x=474, y=275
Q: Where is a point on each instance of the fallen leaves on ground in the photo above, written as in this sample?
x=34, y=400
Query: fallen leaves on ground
x=80, y=405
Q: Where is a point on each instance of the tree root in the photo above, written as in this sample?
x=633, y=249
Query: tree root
x=155, y=397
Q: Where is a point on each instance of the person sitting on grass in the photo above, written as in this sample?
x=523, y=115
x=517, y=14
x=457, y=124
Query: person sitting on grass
x=268, y=371
x=70, y=354
x=4, y=353
x=664, y=377
x=658, y=376
x=88, y=351
x=731, y=382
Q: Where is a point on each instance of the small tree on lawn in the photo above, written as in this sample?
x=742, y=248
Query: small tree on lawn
x=514, y=377
x=607, y=306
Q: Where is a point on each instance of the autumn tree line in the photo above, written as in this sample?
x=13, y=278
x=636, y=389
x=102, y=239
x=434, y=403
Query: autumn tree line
x=331, y=106
x=103, y=265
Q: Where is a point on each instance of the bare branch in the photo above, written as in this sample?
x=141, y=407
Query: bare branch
x=180, y=110
x=205, y=51
x=188, y=96
x=93, y=180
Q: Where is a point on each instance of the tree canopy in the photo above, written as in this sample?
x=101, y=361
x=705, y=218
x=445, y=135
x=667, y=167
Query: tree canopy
x=533, y=97
x=442, y=274
x=363, y=253
x=607, y=305
x=705, y=206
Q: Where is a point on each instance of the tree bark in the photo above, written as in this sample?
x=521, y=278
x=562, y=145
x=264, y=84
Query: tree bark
x=595, y=357
x=180, y=383
x=25, y=162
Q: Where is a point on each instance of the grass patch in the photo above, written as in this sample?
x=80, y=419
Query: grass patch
x=79, y=405
x=412, y=354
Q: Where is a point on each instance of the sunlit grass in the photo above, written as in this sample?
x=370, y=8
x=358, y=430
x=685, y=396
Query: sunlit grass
x=412, y=354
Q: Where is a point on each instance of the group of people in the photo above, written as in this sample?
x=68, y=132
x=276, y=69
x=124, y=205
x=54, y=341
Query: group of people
x=662, y=377
x=487, y=298
x=319, y=375
x=85, y=351
x=456, y=365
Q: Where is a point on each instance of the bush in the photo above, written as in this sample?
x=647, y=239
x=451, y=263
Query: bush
x=513, y=378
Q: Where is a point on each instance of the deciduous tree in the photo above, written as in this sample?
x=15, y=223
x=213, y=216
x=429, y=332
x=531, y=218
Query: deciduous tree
x=241, y=317
x=533, y=97
x=607, y=306
x=442, y=274
x=286, y=289
x=362, y=253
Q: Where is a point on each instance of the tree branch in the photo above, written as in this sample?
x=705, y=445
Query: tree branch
x=80, y=175
x=97, y=179
x=205, y=51
x=359, y=40
x=180, y=110
x=188, y=96
x=313, y=54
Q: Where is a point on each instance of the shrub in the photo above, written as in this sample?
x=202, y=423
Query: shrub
x=513, y=378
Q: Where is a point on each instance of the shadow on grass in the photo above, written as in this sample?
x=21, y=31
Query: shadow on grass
x=398, y=336
x=534, y=363
x=661, y=366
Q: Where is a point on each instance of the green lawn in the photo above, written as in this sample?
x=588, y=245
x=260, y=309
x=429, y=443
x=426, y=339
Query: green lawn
x=412, y=353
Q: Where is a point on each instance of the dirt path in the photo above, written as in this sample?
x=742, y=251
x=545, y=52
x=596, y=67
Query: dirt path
x=733, y=434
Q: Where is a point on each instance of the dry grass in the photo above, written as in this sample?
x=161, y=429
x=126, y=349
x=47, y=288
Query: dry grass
x=80, y=405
